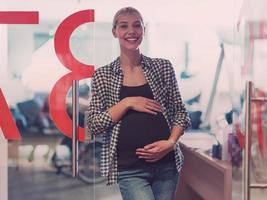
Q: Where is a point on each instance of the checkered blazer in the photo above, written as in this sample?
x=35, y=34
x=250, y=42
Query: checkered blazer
x=106, y=84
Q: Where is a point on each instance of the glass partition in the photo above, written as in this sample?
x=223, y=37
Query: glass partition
x=200, y=39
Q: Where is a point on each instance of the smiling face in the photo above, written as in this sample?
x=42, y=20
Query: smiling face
x=129, y=30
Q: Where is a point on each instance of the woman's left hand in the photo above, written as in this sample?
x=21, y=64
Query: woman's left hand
x=154, y=151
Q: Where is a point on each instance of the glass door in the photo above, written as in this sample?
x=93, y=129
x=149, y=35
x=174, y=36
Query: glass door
x=58, y=46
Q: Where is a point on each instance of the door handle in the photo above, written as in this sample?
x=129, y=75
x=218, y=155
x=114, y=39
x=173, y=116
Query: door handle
x=75, y=126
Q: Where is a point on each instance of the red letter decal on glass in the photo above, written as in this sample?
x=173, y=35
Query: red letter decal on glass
x=7, y=123
x=19, y=17
x=78, y=71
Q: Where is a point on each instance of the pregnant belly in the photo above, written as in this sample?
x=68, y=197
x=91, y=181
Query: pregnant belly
x=139, y=129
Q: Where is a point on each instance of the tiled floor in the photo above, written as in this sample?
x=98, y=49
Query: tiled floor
x=37, y=180
x=256, y=194
x=42, y=183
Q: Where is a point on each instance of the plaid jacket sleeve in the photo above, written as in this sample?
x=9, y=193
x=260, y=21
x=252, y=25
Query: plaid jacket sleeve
x=98, y=118
x=179, y=113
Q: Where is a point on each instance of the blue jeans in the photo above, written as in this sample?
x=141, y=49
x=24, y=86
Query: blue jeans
x=154, y=182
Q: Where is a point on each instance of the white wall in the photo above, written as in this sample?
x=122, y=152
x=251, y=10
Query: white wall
x=20, y=49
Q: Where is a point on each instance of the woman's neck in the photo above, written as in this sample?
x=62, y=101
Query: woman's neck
x=130, y=59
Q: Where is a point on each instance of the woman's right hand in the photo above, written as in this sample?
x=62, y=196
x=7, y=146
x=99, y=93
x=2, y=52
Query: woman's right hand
x=143, y=104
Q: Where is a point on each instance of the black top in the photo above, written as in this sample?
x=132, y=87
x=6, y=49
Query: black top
x=139, y=129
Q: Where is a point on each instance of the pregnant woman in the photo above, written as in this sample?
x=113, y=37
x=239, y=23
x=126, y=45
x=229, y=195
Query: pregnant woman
x=136, y=105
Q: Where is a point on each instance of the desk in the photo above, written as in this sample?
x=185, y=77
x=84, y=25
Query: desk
x=203, y=177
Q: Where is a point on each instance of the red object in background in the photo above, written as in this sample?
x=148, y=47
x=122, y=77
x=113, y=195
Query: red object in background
x=7, y=122
x=256, y=30
x=57, y=98
x=259, y=120
x=258, y=109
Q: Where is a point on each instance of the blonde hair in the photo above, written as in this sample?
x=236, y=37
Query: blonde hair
x=128, y=10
